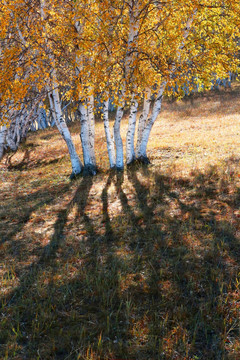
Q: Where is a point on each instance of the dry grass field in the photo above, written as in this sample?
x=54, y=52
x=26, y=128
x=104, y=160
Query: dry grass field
x=138, y=265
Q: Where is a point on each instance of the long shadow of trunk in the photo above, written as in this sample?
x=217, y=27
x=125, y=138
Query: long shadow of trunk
x=49, y=252
x=109, y=234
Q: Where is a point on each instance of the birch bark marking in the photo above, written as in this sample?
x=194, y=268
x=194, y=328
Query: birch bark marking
x=131, y=131
x=142, y=156
x=3, y=133
x=109, y=138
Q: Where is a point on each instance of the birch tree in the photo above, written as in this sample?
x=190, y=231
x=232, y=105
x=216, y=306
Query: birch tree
x=55, y=104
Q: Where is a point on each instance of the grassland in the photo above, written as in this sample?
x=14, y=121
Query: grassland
x=140, y=265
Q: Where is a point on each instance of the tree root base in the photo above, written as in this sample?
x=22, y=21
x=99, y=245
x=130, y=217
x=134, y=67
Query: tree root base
x=120, y=168
x=74, y=175
x=143, y=160
x=132, y=162
x=89, y=170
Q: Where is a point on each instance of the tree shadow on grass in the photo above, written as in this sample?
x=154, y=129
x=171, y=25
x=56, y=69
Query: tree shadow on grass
x=157, y=280
x=17, y=211
x=28, y=281
x=191, y=257
x=193, y=273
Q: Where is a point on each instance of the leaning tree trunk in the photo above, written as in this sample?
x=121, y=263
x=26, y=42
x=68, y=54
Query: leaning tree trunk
x=131, y=131
x=142, y=153
x=109, y=138
x=142, y=119
x=3, y=133
x=87, y=144
x=64, y=131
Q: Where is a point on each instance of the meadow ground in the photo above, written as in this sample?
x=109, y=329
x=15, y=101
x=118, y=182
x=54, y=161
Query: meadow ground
x=140, y=265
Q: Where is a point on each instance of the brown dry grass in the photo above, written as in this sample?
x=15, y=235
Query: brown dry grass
x=140, y=265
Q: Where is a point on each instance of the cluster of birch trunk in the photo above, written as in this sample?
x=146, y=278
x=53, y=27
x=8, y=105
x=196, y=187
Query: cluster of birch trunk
x=22, y=121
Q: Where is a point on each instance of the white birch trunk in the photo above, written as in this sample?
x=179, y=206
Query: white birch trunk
x=12, y=134
x=16, y=119
x=88, y=151
x=143, y=118
x=3, y=133
x=131, y=131
x=142, y=153
x=87, y=135
x=109, y=138
x=84, y=133
x=64, y=131
x=117, y=136
x=91, y=129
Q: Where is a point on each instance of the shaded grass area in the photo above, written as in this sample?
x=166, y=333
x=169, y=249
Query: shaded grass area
x=158, y=280
x=139, y=265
